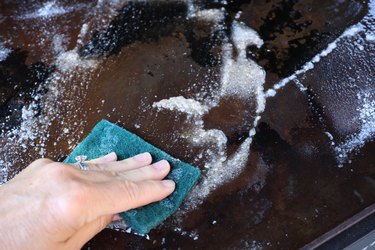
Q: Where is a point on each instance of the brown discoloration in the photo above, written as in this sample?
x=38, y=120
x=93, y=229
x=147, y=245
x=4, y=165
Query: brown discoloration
x=290, y=191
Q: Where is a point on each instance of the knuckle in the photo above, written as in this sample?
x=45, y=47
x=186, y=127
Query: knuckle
x=147, y=172
x=72, y=190
x=131, y=191
x=128, y=162
x=95, y=166
x=73, y=198
x=41, y=162
x=59, y=171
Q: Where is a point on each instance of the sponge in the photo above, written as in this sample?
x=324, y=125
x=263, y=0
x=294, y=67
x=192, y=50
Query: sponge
x=107, y=137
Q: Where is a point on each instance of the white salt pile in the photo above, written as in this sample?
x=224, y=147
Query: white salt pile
x=215, y=16
x=244, y=36
x=241, y=78
x=70, y=60
x=190, y=107
x=244, y=85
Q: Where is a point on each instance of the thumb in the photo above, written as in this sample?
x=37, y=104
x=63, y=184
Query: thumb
x=121, y=195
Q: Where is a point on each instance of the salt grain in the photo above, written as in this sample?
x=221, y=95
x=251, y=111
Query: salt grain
x=4, y=52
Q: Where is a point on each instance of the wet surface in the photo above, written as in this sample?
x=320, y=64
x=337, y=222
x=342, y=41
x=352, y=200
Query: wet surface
x=116, y=60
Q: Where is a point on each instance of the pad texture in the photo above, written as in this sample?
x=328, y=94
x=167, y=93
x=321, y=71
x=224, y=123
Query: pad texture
x=107, y=137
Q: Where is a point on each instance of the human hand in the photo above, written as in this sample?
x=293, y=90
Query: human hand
x=52, y=205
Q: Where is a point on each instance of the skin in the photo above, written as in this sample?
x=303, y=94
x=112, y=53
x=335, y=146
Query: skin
x=52, y=205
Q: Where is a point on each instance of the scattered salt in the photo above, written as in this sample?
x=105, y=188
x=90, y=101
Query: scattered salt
x=301, y=87
x=370, y=37
x=191, y=9
x=215, y=16
x=83, y=32
x=330, y=137
x=240, y=77
x=371, y=10
x=4, y=52
x=70, y=60
x=59, y=43
x=37, y=117
x=353, y=30
x=367, y=131
x=238, y=15
x=51, y=9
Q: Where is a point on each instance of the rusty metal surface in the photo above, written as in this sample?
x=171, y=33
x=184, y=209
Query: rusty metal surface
x=291, y=190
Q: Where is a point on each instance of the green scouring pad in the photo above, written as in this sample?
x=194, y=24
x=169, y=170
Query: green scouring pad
x=107, y=137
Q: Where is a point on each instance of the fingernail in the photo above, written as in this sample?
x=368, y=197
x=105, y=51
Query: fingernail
x=111, y=155
x=160, y=165
x=144, y=157
x=169, y=183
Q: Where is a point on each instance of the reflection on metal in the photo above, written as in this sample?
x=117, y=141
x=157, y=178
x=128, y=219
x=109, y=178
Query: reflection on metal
x=355, y=233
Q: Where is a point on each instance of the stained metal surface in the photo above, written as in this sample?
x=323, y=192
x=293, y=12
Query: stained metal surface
x=291, y=190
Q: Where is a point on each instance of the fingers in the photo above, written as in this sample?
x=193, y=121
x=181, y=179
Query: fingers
x=134, y=162
x=111, y=157
x=123, y=185
x=118, y=196
x=156, y=171
x=109, y=164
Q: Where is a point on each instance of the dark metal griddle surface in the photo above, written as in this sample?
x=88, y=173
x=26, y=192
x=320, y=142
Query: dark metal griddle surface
x=130, y=55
